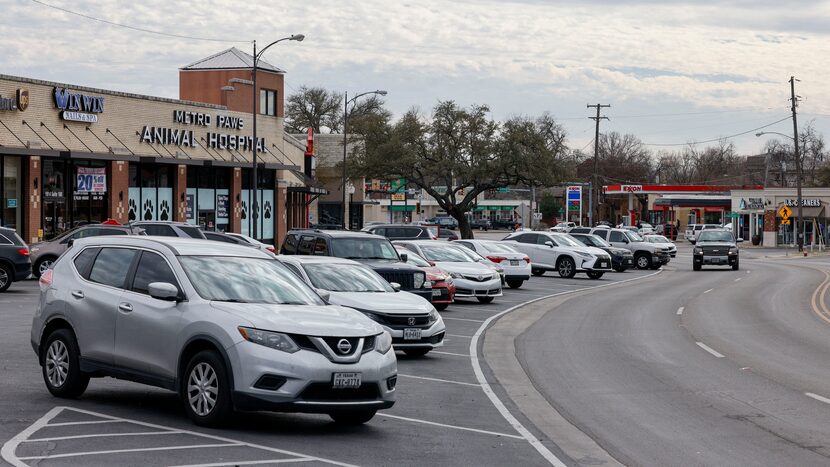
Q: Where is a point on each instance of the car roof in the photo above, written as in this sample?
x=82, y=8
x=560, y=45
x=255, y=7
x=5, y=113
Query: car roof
x=335, y=233
x=309, y=259
x=184, y=224
x=178, y=246
x=396, y=225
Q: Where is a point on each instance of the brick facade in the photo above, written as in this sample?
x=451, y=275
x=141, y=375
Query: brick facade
x=235, y=193
x=180, y=194
x=32, y=196
x=118, y=188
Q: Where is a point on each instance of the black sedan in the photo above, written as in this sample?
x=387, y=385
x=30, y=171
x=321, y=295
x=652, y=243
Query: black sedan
x=621, y=259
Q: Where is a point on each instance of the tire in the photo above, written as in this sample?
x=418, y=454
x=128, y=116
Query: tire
x=60, y=364
x=485, y=299
x=642, y=261
x=6, y=277
x=736, y=266
x=206, y=369
x=515, y=284
x=352, y=418
x=655, y=266
x=441, y=306
x=566, y=267
x=619, y=268
x=595, y=274
x=696, y=267
x=418, y=352
x=537, y=272
x=41, y=265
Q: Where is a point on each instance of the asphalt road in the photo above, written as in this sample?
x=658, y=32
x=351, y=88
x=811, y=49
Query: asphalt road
x=443, y=415
x=717, y=367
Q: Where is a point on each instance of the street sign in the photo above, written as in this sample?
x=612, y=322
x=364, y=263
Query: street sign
x=398, y=196
x=503, y=190
x=537, y=216
x=785, y=212
x=785, y=222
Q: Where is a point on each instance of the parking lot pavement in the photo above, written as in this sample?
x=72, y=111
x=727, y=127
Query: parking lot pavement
x=443, y=415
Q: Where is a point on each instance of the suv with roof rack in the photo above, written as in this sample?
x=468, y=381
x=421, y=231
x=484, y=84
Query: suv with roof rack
x=170, y=229
x=372, y=250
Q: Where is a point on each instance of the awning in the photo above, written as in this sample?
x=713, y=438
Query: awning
x=807, y=211
x=312, y=186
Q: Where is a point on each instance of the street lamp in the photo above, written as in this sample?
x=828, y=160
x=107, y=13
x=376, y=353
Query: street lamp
x=256, y=57
x=800, y=222
x=346, y=102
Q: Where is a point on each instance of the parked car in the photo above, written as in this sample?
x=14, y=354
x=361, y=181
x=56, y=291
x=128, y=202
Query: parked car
x=372, y=250
x=447, y=234
x=415, y=325
x=444, y=221
x=443, y=288
x=254, y=242
x=646, y=255
x=44, y=254
x=491, y=264
x=502, y=223
x=563, y=227
x=621, y=259
x=553, y=251
x=481, y=224
x=327, y=226
x=402, y=231
x=230, y=329
x=15, y=262
x=662, y=240
x=516, y=265
x=170, y=229
x=716, y=247
x=472, y=279
x=580, y=230
x=222, y=237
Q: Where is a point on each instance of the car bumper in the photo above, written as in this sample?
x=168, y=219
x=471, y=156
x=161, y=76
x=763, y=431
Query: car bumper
x=594, y=264
x=515, y=272
x=622, y=261
x=468, y=288
x=443, y=293
x=426, y=294
x=431, y=337
x=716, y=260
x=308, y=380
x=22, y=271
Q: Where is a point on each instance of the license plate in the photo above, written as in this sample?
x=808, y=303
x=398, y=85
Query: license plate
x=514, y=262
x=436, y=292
x=346, y=380
x=411, y=334
x=629, y=261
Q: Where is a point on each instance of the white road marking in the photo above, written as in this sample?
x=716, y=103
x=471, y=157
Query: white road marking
x=105, y=435
x=738, y=279
x=440, y=380
x=748, y=272
x=680, y=310
x=451, y=353
x=488, y=390
x=707, y=291
x=236, y=463
x=817, y=397
x=458, y=335
x=464, y=319
x=709, y=349
x=455, y=427
x=89, y=422
x=119, y=451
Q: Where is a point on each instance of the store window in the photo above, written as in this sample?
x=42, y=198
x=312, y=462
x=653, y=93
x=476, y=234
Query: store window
x=74, y=194
x=151, y=192
x=268, y=102
x=10, y=177
x=265, y=203
x=208, y=197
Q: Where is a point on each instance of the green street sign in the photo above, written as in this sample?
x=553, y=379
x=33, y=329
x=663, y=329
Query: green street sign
x=396, y=186
x=503, y=190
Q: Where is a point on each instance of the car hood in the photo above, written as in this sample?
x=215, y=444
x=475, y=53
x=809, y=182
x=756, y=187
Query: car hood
x=309, y=320
x=587, y=249
x=465, y=268
x=618, y=251
x=723, y=244
x=387, y=264
x=382, y=302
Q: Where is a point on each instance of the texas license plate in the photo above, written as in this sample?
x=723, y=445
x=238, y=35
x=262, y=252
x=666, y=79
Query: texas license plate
x=436, y=292
x=411, y=334
x=514, y=262
x=346, y=380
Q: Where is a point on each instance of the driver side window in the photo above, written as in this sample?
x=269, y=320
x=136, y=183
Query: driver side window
x=542, y=239
x=617, y=237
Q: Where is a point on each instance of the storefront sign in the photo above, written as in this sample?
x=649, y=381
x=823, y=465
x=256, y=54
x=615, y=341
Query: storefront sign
x=189, y=209
x=92, y=180
x=751, y=203
x=78, y=107
x=807, y=203
x=632, y=188
x=222, y=206
x=19, y=102
x=151, y=135
x=186, y=138
x=11, y=203
x=398, y=197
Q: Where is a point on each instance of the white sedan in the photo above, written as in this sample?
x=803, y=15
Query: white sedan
x=663, y=241
x=516, y=265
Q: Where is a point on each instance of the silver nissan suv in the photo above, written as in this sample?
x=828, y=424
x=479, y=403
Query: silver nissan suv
x=225, y=326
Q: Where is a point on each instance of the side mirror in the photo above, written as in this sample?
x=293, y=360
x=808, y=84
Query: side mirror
x=431, y=263
x=70, y=242
x=395, y=286
x=740, y=239
x=550, y=244
x=163, y=291
x=404, y=257
x=324, y=294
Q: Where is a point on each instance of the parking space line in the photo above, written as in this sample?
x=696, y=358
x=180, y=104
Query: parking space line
x=440, y=380
x=459, y=335
x=738, y=279
x=89, y=422
x=680, y=310
x=104, y=435
x=817, y=397
x=709, y=349
x=707, y=291
x=119, y=451
x=452, y=353
x=463, y=319
x=236, y=463
x=454, y=427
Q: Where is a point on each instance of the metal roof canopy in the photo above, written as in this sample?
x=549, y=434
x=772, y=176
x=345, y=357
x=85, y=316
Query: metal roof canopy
x=230, y=59
x=674, y=189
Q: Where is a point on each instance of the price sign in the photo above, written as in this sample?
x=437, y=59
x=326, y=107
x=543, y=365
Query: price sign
x=91, y=180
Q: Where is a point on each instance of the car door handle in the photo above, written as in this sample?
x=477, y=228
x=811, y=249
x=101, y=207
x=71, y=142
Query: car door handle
x=125, y=307
x=78, y=294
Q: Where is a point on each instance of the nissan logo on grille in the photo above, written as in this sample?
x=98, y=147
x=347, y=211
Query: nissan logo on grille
x=344, y=346
x=411, y=321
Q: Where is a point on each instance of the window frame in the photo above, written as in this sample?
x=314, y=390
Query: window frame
x=130, y=280
x=130, y=268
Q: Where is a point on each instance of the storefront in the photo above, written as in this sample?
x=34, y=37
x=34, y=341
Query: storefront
x=11, y=177
x=761, y=213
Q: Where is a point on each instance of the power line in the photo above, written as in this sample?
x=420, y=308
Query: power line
x=720, y=138
x=135, y=28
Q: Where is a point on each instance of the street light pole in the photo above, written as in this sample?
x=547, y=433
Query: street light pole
x=346, y=102
x=799, y=235
x=255, y=185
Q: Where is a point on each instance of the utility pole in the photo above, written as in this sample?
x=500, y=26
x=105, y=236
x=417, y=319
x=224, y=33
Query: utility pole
x=799, y=224
x=595, y=211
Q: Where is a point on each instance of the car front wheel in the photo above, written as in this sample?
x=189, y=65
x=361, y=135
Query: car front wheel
x=643, y=261
x=60, y=364
x=537, y=272
x=42, y=265
x=514, y=284
x=5, y=277
x=357, y=417
x=566, y=268
x=205, y=391
x=735, y=266
x=441, y=306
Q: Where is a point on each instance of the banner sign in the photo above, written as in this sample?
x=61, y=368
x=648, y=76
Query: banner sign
x=574, y=198
x=222, y=206
x=92, y=180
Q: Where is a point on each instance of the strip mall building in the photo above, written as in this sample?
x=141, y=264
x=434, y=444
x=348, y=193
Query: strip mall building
x=71, y=155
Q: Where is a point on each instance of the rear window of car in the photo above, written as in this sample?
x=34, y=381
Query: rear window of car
x=111, y=266
x=306, y=245
x=159, y=230
x=192, y=232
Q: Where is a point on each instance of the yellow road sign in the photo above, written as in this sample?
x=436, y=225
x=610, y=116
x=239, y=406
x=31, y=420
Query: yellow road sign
x=785, y=211
x=785, y=222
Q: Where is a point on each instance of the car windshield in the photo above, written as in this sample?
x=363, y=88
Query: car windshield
x=714, y=236
x=339, y=277
x=566, y=240
x=633, y=236
x=495, y=247
x=446, y=253
x=658, y=239
x=363, y=248
x=415, y=260
x=594, y=240
x=247, y=280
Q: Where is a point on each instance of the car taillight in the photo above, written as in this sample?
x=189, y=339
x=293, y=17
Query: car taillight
x=45, y=279
x=270, y=248
x=496, y=259
x=527, y=259
x=23, y=252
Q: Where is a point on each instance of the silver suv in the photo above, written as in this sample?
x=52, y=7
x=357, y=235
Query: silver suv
x=225, y=326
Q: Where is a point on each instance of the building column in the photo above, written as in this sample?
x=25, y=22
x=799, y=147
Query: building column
x=180, y=194
x=32, y=201
x=118, y=191
x=235, y=221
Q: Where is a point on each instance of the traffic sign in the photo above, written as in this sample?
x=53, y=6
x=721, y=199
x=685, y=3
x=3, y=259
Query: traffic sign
x=503, y=190
x=785, y=212
x=785, y=222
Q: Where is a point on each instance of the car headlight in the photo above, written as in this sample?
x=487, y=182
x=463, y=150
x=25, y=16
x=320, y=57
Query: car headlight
x=419, y=278
x=733, y=251
x=274, y=340
x=433, y=316
x=383, y=342
x=456, y=275
x=698, y=251
x=585, y=255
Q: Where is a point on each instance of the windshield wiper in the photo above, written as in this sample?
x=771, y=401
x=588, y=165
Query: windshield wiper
x=231, y=300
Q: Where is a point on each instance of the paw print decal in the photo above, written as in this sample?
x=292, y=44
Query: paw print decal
x=244, y=210
x=133, y=209
x=148, y=210
x=164, y=211
x=267, y=214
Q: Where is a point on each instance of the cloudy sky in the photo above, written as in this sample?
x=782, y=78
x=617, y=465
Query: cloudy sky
x=673, y=71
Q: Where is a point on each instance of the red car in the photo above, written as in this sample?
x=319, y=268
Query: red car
x=443, y=289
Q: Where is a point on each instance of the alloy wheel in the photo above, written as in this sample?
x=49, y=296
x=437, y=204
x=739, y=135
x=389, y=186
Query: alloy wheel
x=45, y=265
x=565, y=268
x=202, y=389
x=57, y=363
x=4, y=277
x=642, y=262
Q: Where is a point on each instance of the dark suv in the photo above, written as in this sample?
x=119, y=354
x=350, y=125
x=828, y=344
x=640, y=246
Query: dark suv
x=716, y=247
x=15, y=264
x=372, y=250
x=402, y=231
